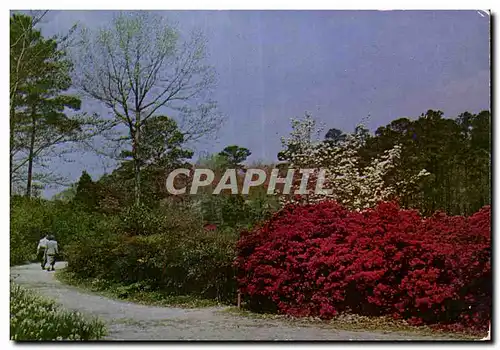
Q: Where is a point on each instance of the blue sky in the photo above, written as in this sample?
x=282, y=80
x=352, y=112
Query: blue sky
x=341, y=66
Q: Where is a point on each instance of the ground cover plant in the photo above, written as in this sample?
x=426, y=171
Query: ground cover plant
x=35, y=318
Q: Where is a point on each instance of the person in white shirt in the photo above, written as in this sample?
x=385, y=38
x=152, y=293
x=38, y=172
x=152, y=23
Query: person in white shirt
x=42, y=246
x=51, y=252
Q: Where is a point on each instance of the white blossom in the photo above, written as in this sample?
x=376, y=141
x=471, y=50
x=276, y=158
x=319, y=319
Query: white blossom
x=353, y=186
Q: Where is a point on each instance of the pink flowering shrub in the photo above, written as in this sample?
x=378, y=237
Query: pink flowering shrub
x=321, y=259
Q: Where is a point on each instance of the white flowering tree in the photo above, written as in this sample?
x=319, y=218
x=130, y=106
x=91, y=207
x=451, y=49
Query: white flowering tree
x=347, y=182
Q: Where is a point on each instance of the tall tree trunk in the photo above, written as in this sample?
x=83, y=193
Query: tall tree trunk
x=11, y=163
x=30, y=156
x=11, y=157
x=137, y=160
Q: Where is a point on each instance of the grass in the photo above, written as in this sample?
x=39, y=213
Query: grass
x=35, y=318
x=137, y=293
x=351, y=322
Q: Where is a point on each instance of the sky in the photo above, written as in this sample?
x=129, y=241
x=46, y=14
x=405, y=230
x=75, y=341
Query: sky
x=340, y=66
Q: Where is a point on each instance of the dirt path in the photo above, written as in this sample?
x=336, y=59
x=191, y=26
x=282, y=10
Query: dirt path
x=129, y=321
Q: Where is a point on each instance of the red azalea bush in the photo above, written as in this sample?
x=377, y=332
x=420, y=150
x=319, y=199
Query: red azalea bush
x=321, y=259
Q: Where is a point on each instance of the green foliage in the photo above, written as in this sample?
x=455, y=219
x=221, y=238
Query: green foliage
x=138, y=65
x=235, y=155
x=236, y=211
x=35, y=318
x=232, y=210
x=214, y=162
x=139, y=292
x=335, y=136
x=86, y=196
x=183, y=259
x=27, y=224
x=66, y=195
x=162, y=144
x=457, y=153
x=161, y=150
x=140, y=220
x=164, y=248
x=30, y=219
x=40, y=72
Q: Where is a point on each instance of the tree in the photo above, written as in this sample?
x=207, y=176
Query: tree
x=162, y=150
x=300, y=139
x=46, y=106
x=455, y=151
x=235, y=155
x=87, y=195
x=163, y=144
x=39, y=116
x=474, y=158
x=351, y=183
x=22, y=28
x=335, y=136
x=66, y=195
x=23, y=56
x=139, y=66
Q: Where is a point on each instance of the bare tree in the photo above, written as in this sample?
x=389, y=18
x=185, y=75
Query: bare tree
x=139, y=66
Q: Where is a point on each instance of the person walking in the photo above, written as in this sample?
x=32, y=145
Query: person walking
x=42, y=246
x=51, y=252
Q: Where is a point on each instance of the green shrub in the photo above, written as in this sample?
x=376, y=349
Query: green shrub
x=138, y=220
x=27, y=224
x=35, y=318
x=184, y=259
x=30, y=219
x=236, y=211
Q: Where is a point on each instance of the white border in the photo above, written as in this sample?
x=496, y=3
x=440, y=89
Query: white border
x=183, y=5
x=255, y=5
